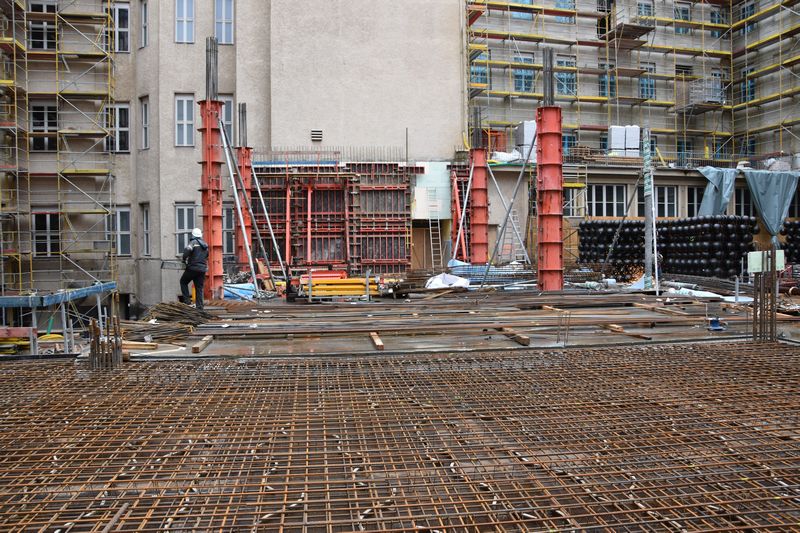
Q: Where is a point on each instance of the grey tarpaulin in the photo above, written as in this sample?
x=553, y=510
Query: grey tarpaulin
x=719, y=190
x=772, y=192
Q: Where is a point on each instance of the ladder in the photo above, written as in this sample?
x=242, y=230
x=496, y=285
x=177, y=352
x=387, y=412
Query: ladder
x=435, y=228
x=510, y=249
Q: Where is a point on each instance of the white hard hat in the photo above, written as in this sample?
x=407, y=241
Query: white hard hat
x=197, y=232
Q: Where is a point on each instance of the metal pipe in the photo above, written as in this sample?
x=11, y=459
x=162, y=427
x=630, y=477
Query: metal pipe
x=231, y=173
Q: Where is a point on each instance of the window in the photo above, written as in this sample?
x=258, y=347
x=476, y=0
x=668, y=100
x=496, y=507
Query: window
x=144, y=36
x=144, y=113
x=604, y=142
x=228, y=230
x=568, y=140
x=118, y=122
x=146, y=250
x=794, y=207
x=227, y=115
x=223, y=21
x=647, y=84
x=683, y=70
x=683, y=12
x=653, y=144
x=565, y=4
x=184, y=223
x=479, y=73
x=718, y=17
x=184, y=21
x=46, y=233
x=606, y=200
x=666, y=203
x=685, y=148
x=522, y=16
x=747, y=146
x=523, y=78
x=721, y=149
x=694, y=197
x=184, y=120
x=607, y=82
x=743, y=203
x=42, y=33
x=566, y=82
x=747, y=87
x=118, y=229
x=44, y=127
x=120, y=14
x=573, y=202
x=748, y=10
x=645, y=8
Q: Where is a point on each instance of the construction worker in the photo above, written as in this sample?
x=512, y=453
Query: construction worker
x=195, y=257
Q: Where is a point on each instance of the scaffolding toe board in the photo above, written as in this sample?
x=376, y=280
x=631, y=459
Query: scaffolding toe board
x=663, y=438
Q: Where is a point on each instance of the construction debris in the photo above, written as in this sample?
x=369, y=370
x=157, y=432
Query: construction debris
x=179, y=313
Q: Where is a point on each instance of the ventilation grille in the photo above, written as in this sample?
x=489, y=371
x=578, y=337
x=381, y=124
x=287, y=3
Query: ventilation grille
x=316, y=136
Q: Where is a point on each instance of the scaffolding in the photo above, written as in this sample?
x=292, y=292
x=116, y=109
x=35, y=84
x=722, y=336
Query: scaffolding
x=663, y=65
x=326, y=213
x=59, y=223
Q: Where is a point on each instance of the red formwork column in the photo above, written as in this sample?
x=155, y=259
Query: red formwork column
x=245, y=157
x=549, y=199
x=479, y=208
x=211, y=190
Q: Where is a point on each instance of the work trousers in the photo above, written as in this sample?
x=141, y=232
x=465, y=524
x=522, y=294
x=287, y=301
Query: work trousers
x=199, y=279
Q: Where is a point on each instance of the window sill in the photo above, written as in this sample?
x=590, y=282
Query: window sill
x=184, y=146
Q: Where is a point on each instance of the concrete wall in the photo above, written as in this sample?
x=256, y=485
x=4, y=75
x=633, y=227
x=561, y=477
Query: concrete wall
x=363, y=71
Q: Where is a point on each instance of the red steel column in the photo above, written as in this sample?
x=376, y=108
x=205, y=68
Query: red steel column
x=479, y=208
x=211, y=191
x=549, y=199
x=245, y=156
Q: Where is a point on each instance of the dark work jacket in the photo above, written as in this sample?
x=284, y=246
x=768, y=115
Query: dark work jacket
x=195, y=255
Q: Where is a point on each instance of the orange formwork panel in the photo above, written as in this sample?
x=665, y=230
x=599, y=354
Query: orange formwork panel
x=244, y=154
x=211, y=191
x=549, y=193
x=479, y=208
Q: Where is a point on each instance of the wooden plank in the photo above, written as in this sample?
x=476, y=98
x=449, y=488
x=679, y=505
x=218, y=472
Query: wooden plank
x=376, y=340
x=437, y=294
x=616, y=328
x=134, y=345
x=661, y=309
x=512, y=334
x=204, y=342
x=8, y=332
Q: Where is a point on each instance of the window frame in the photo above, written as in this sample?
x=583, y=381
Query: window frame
x=606, y=82
x=184, y=126
x=565, y=4
x=52, y=236
x=144, y=121
x=574, y=202
x=184, y=21
x=49, y=141
x=662, y=203
x=681, y=9
x=47, y=28
x=566, y=82
x=220, y=22
x=183, y=234
x=618, y=206
x=144, y=28
x=523, y=77
x=227, y=109
x=647, y=84
x=146, y=236
x=113, y=113
x=115, y=9
x=740, y=195
x=694, y=198
x=121, y=237
x=522, y=15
